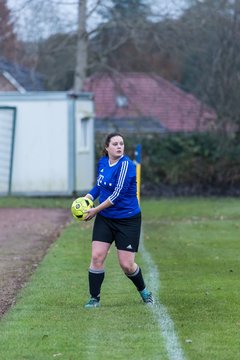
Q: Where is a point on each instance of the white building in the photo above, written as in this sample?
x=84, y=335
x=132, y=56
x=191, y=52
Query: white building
x=46, y=143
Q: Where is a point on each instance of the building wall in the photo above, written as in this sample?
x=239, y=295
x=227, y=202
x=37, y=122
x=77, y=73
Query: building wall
x=45, y=149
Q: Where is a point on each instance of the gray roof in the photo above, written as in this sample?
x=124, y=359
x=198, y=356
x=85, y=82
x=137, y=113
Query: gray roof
x=130, y=125
x=27, y=78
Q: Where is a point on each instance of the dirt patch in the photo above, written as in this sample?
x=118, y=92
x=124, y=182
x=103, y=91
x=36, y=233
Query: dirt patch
x=25, y=236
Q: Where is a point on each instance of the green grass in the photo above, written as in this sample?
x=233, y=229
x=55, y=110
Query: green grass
x=34, y=202
x=49, y=319
x=195, y=245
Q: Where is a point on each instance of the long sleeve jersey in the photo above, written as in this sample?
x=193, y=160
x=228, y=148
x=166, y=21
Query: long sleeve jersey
x=117, y=182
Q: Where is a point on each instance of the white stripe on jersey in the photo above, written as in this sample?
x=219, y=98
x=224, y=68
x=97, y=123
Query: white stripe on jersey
x=120, y=183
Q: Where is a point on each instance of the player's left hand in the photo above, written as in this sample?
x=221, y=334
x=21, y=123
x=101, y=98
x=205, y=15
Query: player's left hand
x=90, y=214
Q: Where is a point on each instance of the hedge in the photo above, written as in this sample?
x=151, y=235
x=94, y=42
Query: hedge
x=179, y=164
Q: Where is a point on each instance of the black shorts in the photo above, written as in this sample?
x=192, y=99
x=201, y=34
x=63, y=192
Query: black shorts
x=125, y=232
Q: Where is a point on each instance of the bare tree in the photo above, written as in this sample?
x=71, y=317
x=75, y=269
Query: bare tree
x=208, y=45
x=82, y=47
x=8, y=39
x=125, y=33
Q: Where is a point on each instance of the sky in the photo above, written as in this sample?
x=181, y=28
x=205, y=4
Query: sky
x=39, y=18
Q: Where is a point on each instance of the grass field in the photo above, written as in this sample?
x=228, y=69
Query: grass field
x=192, y=262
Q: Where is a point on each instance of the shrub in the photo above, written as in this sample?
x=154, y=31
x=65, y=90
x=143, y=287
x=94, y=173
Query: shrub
x=186, y=163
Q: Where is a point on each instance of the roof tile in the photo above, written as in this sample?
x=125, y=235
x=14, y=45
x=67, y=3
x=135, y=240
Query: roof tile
x=149, y=96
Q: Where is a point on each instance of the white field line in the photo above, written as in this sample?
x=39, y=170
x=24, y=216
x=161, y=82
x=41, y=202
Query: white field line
x=159, y=311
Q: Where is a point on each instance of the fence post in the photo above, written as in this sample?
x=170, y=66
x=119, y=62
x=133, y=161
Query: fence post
x=138, y=154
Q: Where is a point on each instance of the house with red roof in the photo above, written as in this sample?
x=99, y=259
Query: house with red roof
x=146, y=102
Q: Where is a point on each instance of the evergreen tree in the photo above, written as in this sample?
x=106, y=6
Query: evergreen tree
x=127, y=9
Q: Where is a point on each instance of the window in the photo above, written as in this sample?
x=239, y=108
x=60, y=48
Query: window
x=121, y=101
x=84, y=133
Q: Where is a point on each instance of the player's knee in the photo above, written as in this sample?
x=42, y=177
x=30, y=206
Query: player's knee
x=97, y=259
x=127, y=267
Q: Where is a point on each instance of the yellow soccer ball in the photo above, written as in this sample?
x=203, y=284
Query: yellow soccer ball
x=80, y=206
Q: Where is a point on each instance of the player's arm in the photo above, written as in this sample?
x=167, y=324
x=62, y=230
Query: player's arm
x=93, y=212
x=93, y=194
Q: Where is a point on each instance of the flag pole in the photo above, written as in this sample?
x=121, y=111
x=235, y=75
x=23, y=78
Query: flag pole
x=138, y=155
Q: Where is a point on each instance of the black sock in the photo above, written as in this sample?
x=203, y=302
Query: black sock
x=137, y=279
x=95, y=279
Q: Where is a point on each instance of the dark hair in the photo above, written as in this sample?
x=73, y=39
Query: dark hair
x=107, y=142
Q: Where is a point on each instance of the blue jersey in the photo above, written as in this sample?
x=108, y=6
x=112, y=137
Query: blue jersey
x=117, y=183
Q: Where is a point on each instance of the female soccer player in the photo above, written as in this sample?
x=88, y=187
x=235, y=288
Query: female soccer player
x=118, y=218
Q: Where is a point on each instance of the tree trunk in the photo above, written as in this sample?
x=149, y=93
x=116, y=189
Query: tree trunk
x=82, y=44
